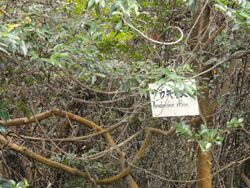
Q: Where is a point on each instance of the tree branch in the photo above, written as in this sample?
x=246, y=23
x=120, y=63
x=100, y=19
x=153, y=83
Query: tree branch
x=233, y=56
x=25, y=151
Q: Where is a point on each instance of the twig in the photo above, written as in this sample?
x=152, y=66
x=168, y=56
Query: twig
x=234, y=56
x=102, y=102
x=78, y=138
x=100, y=154
x=91, y=89
x=197, y=20
x=214, y=35
x=5, y=13
x=188, y=181
x=126, y=171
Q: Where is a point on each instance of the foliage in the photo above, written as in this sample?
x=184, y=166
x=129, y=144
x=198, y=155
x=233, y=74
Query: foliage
x=234, y=123
x=81, y=56
x=205, y=137
x=10, y=39
x=22, y=184
x=120, y=7
x=4, y=114
x=189, y=2
x=238, y=10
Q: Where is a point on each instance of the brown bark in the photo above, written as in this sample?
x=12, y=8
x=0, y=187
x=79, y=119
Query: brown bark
x=25, y=151
x=132, y=183
x=204, y=170
x=199, y=39
x=1, y=169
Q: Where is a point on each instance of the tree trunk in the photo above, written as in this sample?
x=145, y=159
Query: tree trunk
x=199, y=35
x=204, y=170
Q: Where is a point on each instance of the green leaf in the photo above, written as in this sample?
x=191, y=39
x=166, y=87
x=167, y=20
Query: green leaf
x=3, y=50
x=91, y=3
x=93, y=79
x=183, y=129
x=24, y=48
x=240, y=120
x=12, y=182
x=100, y=75
x=102, y=3
x=189, y=2
x=118, y=26
x=4, y=114
x=97, y=10
x=2, y=129
x=202, y=146
x=208, y=146
x=204, y=131
x=235, y=123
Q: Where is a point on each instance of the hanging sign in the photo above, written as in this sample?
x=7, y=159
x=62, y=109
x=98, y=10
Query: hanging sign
x=165, y=102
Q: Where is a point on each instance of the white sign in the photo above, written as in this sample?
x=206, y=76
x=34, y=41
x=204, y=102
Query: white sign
x=165, y=103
